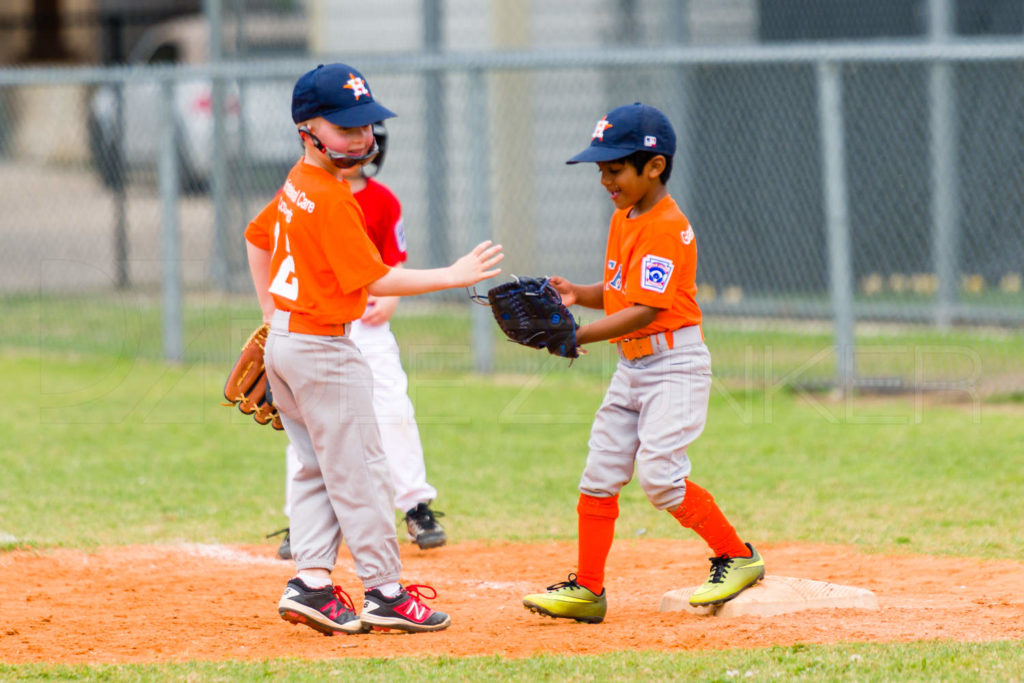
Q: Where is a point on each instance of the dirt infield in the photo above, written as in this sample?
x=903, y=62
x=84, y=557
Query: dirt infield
x=196, y=602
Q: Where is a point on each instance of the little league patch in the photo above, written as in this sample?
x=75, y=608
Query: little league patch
x=657, y=272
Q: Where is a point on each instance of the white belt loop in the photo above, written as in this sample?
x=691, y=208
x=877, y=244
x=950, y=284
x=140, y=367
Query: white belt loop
x=686, y=336
x=280, y=320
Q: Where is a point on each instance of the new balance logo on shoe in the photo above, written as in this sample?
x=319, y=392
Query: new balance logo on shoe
x=333, y=609
x=413, y=610
x=328, y=610
x=403, y=612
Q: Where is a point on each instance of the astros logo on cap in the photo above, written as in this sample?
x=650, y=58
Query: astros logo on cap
x=357, y=86
x=600, y=128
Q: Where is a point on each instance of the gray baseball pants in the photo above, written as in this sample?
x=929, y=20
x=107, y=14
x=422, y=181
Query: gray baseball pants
x=655, y=407
x=323, y=389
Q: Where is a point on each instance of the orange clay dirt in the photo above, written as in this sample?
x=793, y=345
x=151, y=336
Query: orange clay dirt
x=196, y=602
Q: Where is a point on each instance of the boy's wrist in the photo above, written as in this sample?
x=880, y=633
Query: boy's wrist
x=581, y=335
x=448, y=278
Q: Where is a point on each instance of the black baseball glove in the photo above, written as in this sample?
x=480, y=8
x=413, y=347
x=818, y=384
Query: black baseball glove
x=530, y=312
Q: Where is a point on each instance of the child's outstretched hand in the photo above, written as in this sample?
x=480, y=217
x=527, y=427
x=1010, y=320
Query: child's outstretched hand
x=477, y=265
x=565, y=288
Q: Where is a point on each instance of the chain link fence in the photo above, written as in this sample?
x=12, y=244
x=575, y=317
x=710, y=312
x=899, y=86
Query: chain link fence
x=890, y=257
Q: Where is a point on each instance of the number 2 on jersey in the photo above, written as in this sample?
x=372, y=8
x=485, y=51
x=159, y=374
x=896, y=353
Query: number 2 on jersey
x=285, y=283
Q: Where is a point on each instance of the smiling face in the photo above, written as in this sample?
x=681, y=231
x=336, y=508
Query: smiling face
x=350, y=141
x=631, y=188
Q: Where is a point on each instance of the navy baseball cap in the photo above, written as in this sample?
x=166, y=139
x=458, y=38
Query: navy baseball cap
x=340, y=94
x=628, y=129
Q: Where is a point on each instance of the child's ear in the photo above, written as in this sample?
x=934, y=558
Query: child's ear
x=655, y=166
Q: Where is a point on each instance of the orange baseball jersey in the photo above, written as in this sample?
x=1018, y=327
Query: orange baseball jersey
x=384, y=222
x=652, y=260
x=321, y=257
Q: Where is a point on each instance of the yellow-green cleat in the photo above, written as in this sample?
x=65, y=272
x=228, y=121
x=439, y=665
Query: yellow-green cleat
x=729, y=577
x=569, y=600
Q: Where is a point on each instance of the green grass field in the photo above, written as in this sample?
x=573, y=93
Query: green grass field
x=436, y=337
x=104, y=449
x=967, y=662
x=105, y=444
x=142, y=452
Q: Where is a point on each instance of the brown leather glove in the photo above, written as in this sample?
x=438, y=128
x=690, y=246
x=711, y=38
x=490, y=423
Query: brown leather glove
x=247, y=386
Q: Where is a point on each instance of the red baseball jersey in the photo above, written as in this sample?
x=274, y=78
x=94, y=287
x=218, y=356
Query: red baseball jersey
x=321, y=257
x=384, y=222
x=652, y=260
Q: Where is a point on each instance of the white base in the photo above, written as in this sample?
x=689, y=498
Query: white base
x=776, y=595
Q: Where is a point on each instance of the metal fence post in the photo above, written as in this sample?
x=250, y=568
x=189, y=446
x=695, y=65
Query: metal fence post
x=213, y=11
x=680, y=95
x=480, y=210
x=837, y=219
x=117, y=176
x=435, y=161
x=173, y=327
x=943, y=148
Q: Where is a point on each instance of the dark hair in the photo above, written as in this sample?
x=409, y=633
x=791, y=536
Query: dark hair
x=639, y=159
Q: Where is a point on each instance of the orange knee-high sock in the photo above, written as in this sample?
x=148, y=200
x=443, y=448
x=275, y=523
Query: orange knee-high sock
x=596, y=532
x=699, y=512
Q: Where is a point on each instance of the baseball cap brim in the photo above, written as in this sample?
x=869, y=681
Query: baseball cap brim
x=601, y=153
x=359, y=115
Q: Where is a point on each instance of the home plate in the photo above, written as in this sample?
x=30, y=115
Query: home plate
x=776, y=595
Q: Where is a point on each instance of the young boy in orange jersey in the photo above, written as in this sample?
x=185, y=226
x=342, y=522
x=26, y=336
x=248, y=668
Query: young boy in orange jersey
x=657, y=401
x=313, y=267
x=396, y=418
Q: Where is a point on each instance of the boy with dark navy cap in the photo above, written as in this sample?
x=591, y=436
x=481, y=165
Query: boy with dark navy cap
x=313, y=267
x=656, y=404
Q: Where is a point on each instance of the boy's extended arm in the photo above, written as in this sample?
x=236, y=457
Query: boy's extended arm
x=475, y=266
x=617, y=324
x=259, y=268
x=590, y=296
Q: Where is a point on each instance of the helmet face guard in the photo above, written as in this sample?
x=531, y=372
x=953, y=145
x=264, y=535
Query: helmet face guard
x=340, y=159
x=380, y=142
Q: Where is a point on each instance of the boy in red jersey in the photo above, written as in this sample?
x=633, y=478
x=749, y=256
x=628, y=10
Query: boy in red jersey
x=313, y=267
x=656, y=404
